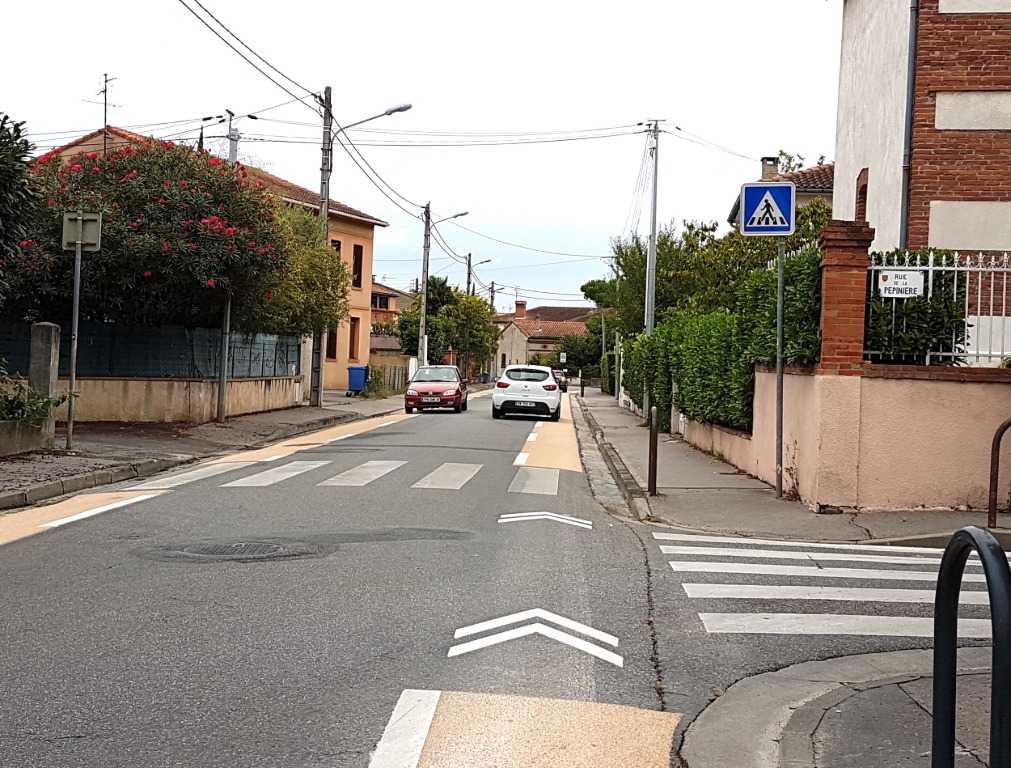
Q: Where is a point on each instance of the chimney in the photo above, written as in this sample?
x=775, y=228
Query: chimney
x=537, y=322
x=770, y=167
x=521, y=310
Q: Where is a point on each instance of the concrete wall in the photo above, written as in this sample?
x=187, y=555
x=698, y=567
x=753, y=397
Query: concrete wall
x=512, y=344
x=352, y=233
x=177, y=400
x=870, y=122
x=21, y=437
x=885, y=440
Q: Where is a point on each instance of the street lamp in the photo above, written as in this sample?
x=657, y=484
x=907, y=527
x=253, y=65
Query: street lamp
x=470, y=272
x=316, y=375
x=422, y=331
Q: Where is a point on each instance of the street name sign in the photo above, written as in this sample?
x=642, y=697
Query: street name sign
x=900, y=284
x=768, y=208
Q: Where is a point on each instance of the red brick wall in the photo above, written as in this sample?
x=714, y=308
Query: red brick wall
x=844, y=263
x=957, y=52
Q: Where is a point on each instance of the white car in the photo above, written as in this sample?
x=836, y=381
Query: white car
x=529, y=389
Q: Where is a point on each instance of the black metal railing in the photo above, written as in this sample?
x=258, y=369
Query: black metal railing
x=949, y=585
x=991, y=513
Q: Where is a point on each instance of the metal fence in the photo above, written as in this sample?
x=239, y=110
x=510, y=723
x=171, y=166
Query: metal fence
x=111, y=350
x=960, y=318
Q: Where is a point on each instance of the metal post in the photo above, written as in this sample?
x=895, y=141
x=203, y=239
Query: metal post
x=582, y=384
x=226, y=329
x=991, y=516
x=780, y=283
x=423, y=326
x=233, y=138
x=73, y=329
x=654, y=436
x=491, y=297
x=469, y=270
x=998, y=585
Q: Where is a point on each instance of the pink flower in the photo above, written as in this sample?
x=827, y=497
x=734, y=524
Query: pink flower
x=148, y=273
x=25, y=243
x=270, y=296
x=210, y=283
x=92, y=155
x=213, y=161
x=183, y=184
x=96, y=169
x=252, y=243
x=75, y=168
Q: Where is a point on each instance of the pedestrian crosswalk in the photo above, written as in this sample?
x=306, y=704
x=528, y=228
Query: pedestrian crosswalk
x=778, y=587
x=449, y=476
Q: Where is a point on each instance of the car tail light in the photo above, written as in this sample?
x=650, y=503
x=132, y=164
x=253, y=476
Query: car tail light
x=502, y=384
x=551, y=387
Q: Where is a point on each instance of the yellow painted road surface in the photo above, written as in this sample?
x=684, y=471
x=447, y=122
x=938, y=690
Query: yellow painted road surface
x=555, y=446
x=433, y=729
x=20, y=525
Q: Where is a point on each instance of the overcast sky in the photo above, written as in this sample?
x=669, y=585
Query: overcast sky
x=751, y=77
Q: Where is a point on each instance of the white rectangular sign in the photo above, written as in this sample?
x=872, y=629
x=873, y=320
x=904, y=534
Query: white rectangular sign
x=900, y=284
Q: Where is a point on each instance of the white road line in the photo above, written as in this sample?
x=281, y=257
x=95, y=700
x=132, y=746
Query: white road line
x=538, y=425
x=535, y=480
x=449, y=477
x=363, y=474
x=274, y=458
x=531, y=437
x=768, y=569
x=207, y=470
x=385, y=424
x=521, y=459
x=834, y=624
x=97, y=511
x=690, y=538
x=538, y=629
x=536, y=613
x=405, y=734
x=342, y=437
x=276, y=475
x=520, y=516
x=813, y=557
x=849, y=594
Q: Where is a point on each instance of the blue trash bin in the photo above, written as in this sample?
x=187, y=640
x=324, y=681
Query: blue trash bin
x=485, y=378
x=356, y=378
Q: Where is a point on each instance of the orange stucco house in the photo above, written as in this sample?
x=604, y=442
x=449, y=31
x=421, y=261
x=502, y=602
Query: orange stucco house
x=351, y=233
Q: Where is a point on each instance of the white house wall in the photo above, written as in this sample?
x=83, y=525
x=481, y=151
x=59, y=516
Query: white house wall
x=871, y=117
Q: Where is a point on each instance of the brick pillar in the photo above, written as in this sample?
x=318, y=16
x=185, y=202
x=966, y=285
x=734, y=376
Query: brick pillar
x=844, y=263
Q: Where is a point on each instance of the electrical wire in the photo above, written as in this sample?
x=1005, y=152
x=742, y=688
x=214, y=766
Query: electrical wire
x=249, y=61
x=527, y=247
x=705, y=143
x=287, y=139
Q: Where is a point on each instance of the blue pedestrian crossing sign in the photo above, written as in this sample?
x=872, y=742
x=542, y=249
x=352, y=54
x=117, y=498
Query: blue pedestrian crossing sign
x=768, y=208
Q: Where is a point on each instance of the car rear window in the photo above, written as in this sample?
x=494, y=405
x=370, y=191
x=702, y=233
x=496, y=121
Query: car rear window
x=526, y=374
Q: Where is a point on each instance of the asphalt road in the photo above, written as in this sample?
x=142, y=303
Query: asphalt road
x=122, y=646
x=121, y=650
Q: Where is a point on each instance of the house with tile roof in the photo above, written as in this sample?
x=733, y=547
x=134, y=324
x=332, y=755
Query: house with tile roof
x=351, y=234
x=813, y=182
x=526, y=333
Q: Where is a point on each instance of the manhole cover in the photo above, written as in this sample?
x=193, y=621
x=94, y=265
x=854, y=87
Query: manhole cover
x=240, y=550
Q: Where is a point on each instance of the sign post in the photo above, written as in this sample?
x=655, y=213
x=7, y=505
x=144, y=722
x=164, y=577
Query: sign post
x=769, y=209
x=81, y=232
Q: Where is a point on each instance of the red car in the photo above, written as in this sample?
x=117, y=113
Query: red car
x=436, y=386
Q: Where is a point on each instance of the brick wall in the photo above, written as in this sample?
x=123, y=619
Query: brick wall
x=957, y=52
x=844, y=264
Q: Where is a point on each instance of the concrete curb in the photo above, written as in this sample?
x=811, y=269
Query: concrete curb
x=634, y=495
x=12, y=500
x=766, y=721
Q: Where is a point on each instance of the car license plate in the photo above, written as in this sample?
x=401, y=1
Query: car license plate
x=431, y=399
x=525, y=404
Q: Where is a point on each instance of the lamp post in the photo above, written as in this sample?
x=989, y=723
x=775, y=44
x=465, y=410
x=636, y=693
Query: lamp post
x=316, y=376
x=470, y=272
x=422, y=329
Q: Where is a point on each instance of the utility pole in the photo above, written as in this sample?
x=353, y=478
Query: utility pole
x=316, y=378
x=105, y=112
x=654, y=129
x=469, y=270
x=233, y=137
x=422, y=329
x=416, y=287
x=491, y=297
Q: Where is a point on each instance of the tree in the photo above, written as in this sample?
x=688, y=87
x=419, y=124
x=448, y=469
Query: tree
x=312, y=295
x=181, y=232
x=603, y=293
x=789, y=163
x=16, y=197
x=473, y=331
x=440, y=294
x=437, y=328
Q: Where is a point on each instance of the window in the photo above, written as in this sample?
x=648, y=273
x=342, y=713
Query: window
x=503, y=360
x=356, y=266
x=331, y=345
x=380, y=302
x=526, y=374
x=861, y=202
x=353, y=341
x=437, y=373
x=336, y=245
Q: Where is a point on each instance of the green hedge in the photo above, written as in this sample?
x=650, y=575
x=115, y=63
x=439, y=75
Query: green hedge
x=607, y=366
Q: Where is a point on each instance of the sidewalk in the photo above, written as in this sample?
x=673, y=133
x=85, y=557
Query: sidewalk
x=701, y=493
x=109, y=452
x=871, y=711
